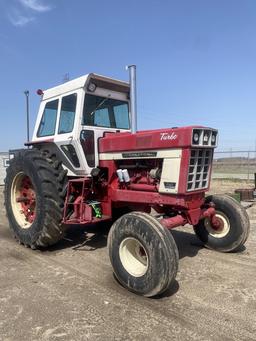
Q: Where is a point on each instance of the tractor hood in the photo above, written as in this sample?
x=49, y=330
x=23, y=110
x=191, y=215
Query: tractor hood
x=196, y=136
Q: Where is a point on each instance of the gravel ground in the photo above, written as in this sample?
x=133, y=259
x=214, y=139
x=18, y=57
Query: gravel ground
x=69, y=293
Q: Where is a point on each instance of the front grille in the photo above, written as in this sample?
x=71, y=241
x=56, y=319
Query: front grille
x=199, y=169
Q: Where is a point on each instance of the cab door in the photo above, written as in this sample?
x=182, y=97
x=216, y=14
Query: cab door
x=66, y=137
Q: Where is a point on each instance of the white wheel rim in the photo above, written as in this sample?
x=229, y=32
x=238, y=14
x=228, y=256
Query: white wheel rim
x=17, y=206
x=133, y=256
x=218, y=233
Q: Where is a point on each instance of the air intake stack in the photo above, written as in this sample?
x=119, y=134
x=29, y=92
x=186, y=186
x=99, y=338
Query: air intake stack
x=133, y=99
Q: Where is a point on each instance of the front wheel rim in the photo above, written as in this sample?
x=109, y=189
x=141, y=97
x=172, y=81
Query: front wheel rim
x=134, y=257
x=218, y=232
x=23, y=200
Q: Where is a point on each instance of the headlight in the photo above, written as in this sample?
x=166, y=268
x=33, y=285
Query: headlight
x=196, y=137
x=206, y=138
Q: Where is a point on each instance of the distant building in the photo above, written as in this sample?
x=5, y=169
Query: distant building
x=4, y=162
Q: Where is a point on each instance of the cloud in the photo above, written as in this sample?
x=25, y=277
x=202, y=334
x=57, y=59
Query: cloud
x=35, y=5
x=23, y=12
x=20, y=20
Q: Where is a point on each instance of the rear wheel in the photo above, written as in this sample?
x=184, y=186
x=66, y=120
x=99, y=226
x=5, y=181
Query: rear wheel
x=233, y=225
x=143, y=254
x=34, y=198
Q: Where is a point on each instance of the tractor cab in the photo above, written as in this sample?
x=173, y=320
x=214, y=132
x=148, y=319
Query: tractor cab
x=74, y=115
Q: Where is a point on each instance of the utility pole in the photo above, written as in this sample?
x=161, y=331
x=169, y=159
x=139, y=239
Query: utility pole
x=26, y=93
x=231, y=152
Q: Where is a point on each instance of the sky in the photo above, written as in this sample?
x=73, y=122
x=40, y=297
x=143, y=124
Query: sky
x=196, y=60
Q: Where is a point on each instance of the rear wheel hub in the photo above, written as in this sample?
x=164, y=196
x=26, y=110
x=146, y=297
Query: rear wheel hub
x=23, y=200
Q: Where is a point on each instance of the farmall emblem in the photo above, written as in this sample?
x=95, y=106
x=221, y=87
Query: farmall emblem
x=167, y=136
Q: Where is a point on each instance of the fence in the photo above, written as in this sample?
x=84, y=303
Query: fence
x=234, y=164
x=226, y=164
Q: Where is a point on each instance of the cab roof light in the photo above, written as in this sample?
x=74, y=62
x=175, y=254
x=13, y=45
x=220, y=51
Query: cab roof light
x=91, y=87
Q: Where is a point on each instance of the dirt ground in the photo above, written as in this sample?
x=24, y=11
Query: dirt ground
x=69, y=293
x=223, y=186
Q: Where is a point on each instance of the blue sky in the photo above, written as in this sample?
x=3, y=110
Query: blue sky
x=196, y=59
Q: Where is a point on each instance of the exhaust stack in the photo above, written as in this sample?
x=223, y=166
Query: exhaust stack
x=133, y=100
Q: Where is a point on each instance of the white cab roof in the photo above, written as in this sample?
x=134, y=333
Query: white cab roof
x=80, y=82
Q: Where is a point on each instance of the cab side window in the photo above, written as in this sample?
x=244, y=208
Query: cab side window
x=48, y=121
x=67, y=114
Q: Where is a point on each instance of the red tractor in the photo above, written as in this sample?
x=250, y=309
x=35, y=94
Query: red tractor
x=87, y=164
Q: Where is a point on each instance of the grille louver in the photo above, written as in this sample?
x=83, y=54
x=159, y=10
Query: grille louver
x=199, y=169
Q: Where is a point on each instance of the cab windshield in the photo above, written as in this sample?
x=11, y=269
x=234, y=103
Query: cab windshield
x=105, y=112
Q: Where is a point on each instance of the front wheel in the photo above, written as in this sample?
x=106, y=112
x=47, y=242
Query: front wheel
x=143, y=254
x=233, y=229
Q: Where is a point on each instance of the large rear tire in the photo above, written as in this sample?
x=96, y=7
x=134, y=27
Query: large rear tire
x=143, y=254
x=34, y=198
x=234, y=225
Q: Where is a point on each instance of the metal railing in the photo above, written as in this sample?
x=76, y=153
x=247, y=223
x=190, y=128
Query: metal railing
x=234, y=164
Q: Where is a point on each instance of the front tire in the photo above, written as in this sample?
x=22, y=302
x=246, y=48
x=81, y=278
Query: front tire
x=34, y=198
x=234, y=225
x=143, y=254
